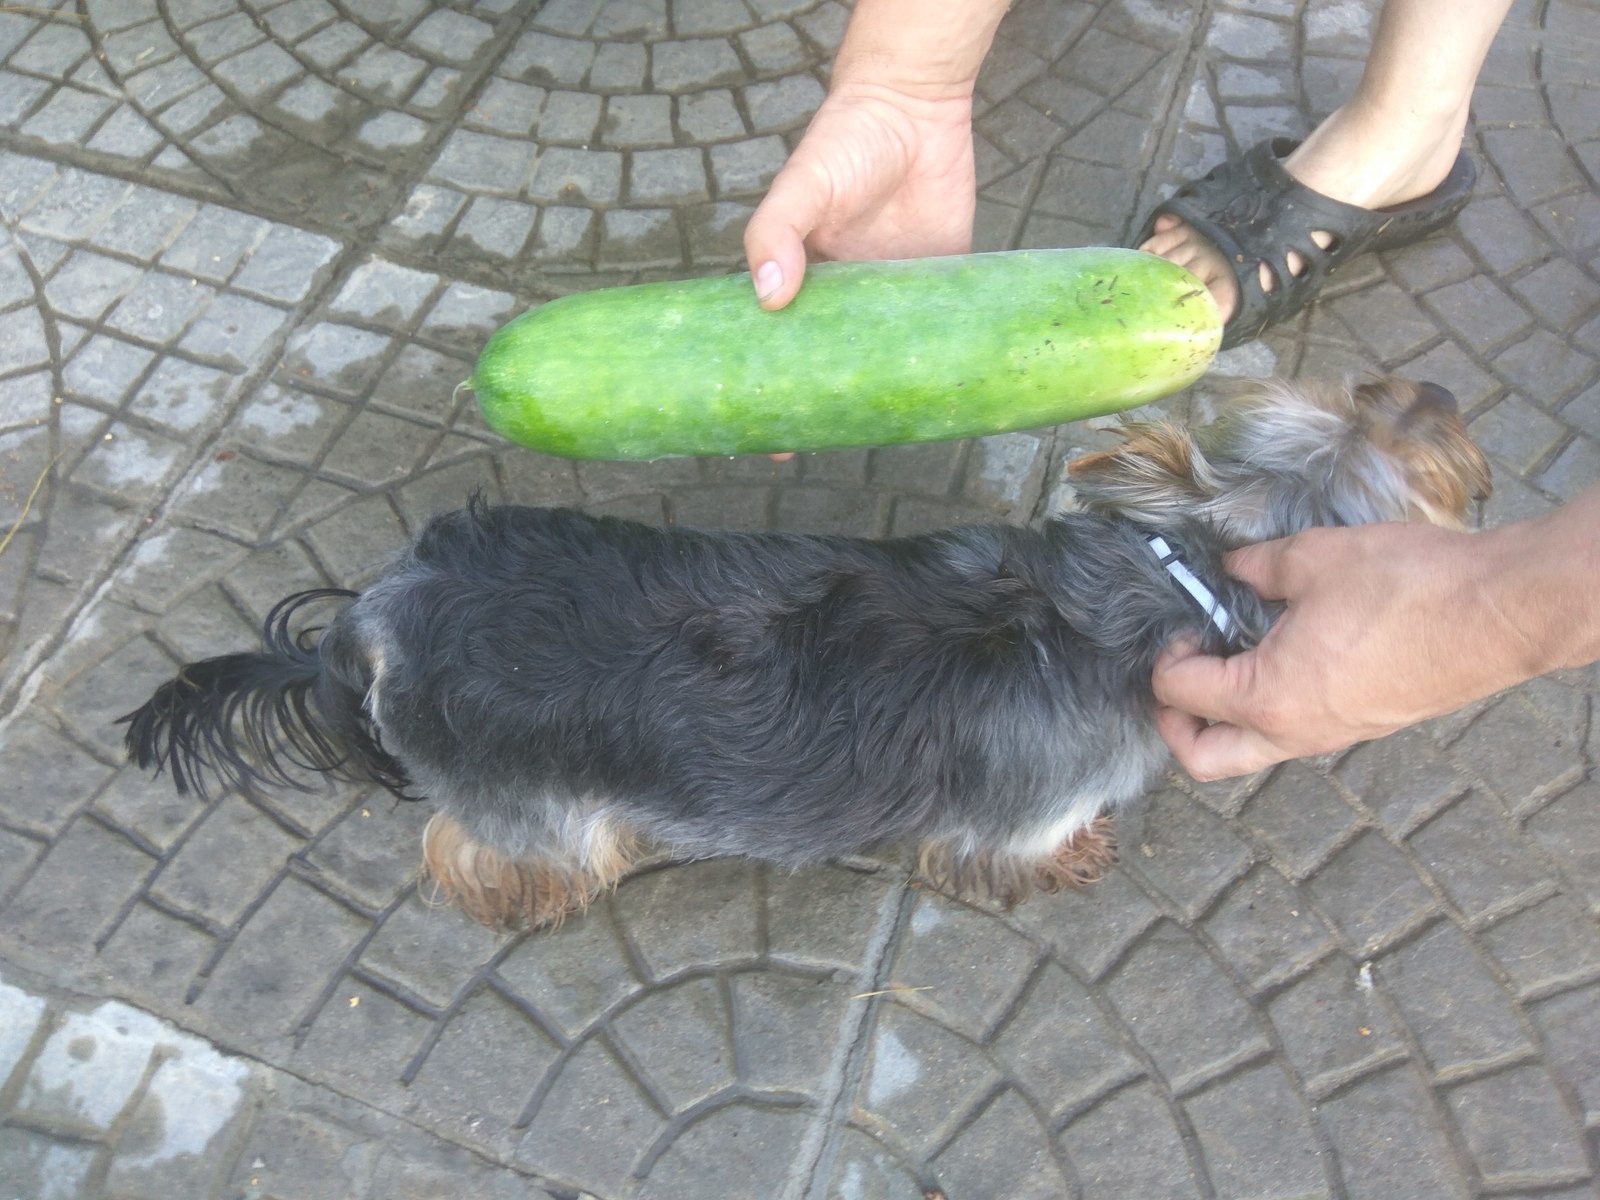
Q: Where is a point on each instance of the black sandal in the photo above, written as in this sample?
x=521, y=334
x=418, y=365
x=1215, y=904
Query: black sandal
x=1252, y=210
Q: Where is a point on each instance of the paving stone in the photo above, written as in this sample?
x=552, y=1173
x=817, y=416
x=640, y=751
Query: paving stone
x=106, y=368
x=1569, y=1025
x=1568, y=829
x=155, y=957
x=45, y=777
x=1128, y=1144
x=363, y=1038
x=77, y=889
x=1545, y=366
x=496, y=227
x=1333, y=1024
x=572, y=975
x=87, y=1072
x=1386, y=1134
x=1061, y=1047
x=746, y=167
x=1004, y=1148
x=1144, y=989
x=709, y=116
x=618, y=66
x=737, y=1150
x=1115, y=909
x=969, y=991
x=1517, y=433
x=87, y=284
x=451, y=36
x=1300, y=818
x=782, y=104
x=285, y=265
x=1517, y=1128
x=1551, y=944
x=1184, y=851
x=667, y=176
x=272, y=975
x=22, y=1014
x=541, y=58
x=785, y=1027
x=569, y=118
x=1558, y=292
x=638, y=121
x=920, y=1077
x=1257, y=1137
x=1499, y=232
x=823, y=916
x=868, y=1170
x=1519, y=756
x=429, y=951
x=817, y=510
x=677, y=66
x=413, y=1171
x=484, y=1067
x=39, y=1166
x=1471, y=850
x=1265, y=929
x=590, y=1125
x=721, y=896
x=226, y=864
x=1575, y=469
x=563, y=175
x=385, y=294
x=1370, y=893
x=1450, y=1002
x=1478, y=312
x=683, y=1040
x=181, y=1128
x=296, y=1154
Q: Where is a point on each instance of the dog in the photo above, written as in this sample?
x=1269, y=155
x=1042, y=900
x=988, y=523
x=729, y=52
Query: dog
x=570, y=689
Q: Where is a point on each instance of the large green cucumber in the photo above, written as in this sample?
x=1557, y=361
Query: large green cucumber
x=868, y=354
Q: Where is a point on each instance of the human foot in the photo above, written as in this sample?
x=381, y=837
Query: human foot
x=1358, y=164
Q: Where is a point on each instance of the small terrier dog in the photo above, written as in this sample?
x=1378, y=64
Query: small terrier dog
x=567, y=688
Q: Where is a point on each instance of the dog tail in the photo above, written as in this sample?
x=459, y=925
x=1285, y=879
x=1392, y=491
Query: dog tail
x=254, y=718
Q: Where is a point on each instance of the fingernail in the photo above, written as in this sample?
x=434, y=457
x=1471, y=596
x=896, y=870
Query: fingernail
x=769, y=278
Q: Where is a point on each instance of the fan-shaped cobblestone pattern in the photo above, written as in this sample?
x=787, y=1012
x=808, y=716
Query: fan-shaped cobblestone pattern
x=1372, y=975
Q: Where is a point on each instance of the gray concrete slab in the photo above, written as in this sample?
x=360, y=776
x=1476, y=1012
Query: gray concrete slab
x=249, y=249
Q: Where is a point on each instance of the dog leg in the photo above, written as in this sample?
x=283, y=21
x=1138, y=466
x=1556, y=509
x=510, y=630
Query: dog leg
x=999, y=880
x=1080, y=860
x=499, y=891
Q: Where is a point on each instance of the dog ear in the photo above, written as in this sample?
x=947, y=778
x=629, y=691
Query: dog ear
x=1419, y=426
x=1157, y=472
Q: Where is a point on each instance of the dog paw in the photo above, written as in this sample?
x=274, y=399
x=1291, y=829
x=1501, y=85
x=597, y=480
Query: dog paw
x=1080, y=860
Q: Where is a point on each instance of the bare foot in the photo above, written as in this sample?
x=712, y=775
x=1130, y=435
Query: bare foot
x=1350, y=157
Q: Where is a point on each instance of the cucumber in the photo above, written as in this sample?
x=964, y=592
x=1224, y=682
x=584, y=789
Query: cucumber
x=868, y=354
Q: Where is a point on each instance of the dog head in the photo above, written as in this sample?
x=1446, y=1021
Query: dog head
x=1289, y=456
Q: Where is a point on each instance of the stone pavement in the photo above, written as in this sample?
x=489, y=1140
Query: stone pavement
x=251, y=246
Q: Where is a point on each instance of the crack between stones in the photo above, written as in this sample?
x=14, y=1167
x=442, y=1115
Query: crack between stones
x=819, y=1150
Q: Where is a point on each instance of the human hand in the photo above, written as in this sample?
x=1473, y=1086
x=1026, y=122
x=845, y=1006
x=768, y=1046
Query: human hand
x=880, y=173
x=1384, y=626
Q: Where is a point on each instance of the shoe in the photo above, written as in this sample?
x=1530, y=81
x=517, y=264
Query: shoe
x=1255, y=212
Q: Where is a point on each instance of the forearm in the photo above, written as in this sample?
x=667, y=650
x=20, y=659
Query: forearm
x=1543, y=581
x=928, y=48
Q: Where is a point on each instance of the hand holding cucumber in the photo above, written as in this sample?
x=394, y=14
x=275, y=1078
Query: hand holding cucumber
x=879, y=175
x=885, y=169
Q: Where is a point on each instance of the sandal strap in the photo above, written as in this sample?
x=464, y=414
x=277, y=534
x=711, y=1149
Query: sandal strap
x=1253, y=211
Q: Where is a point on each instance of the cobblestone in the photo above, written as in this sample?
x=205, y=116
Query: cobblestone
x=1373, y=975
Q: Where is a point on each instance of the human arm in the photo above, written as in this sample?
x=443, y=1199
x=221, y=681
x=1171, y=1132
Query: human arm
x=1384, y=626
x=885, y=169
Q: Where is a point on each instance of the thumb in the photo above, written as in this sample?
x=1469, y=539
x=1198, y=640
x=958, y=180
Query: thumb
x=1197, y=684
x=1264, y=566
x=774, y=240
